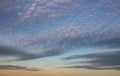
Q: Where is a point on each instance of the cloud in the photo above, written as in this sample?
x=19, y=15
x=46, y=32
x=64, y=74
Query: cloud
x=61, y=0
x=23, y=55
x=12, y=67
x=62, y=40
x=68, y=38
x=10, y=51
x=113, y=41
x=93, y=67
x=37, y=9
x=106, y=60
x=49, y=53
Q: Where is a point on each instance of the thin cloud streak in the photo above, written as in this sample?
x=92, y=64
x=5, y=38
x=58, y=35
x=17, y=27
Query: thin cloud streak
x=13, y=67
x=98, y=61
x=93, y=67
x=23, y=55
x=43, y=54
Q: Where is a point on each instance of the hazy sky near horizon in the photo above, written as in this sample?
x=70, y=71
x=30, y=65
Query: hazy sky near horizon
x=60, y=37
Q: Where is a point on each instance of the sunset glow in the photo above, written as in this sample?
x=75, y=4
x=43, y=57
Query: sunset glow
x=59, y=37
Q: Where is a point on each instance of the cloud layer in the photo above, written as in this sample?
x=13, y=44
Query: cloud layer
x=93, y=67
x=12, y=67
x=34, y=29
x=23, y=55
x=98, y=61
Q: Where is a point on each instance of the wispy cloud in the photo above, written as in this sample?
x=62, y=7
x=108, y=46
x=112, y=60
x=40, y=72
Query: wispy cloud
x=45, y=10
x=93, y=67
x=98, y=61
x=13, y=67
x=49, y=53
x=113, y=41
x=10, y=51
x=23, y=55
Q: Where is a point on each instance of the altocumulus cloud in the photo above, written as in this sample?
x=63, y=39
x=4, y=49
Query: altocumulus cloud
x=98, y=61
x=59, y=42
x=57, y=46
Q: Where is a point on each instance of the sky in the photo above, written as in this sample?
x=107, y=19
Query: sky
x=59, y=37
